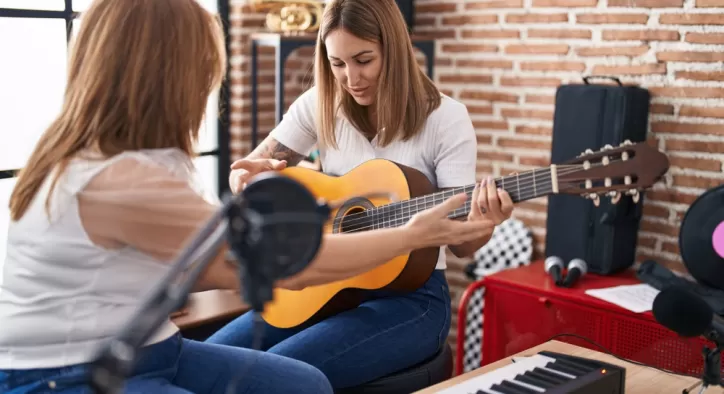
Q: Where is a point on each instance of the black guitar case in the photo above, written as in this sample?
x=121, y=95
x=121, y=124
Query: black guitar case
x=589, y=116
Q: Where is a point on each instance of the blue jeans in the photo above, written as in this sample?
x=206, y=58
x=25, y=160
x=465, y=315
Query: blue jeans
x=383, y=335
x=181, y=366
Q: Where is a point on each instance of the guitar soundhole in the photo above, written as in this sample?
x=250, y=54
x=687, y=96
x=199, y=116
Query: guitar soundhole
x=356, y=219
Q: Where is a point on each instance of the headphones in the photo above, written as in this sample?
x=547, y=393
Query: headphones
x=577, y=268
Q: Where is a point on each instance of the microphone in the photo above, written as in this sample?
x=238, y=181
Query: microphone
x=553, y=267
x=275, y=232
x=688, y=315
x=577, y=268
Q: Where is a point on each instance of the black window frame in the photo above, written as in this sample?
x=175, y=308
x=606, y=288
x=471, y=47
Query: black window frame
x=222, y=152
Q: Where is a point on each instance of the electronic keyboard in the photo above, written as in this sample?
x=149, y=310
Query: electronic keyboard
x=546, y=372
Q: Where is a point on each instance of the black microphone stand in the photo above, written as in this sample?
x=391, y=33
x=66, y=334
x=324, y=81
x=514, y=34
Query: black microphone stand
x=243, y=228
x=712, y=368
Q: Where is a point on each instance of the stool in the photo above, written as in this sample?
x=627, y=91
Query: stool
x=428, y=373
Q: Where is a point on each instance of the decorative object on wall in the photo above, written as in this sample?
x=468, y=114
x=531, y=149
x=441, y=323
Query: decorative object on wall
x=291, y=16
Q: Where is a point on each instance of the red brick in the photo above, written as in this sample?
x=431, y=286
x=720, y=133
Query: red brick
x=690, y=56
x=466, y=78
x=696, y=181
x=695, y=163
x=469, y=48
x=693, y=146
x=533, y=49
x=533, y=130
x=646, y=3
x=488, y=4
x=709, y=3
x=705, y=38
x=488, y=96
x=640, y=69
x=559, y=33
x=504, y=64
x=612, y=51
x=526, y=113
x=641, y=35
x=686, y=92
x=687, y=128
x=553, y=66
x=701, y=75
x=666, y=109
x=705, y=112
x=460, y=20
x=536, y=18
x=489, y=33
x=510, y=142
x=530, y=81
x=490, y=125
x=539, y=99
x=691, y=19
x=565, y=3
x=612, y=18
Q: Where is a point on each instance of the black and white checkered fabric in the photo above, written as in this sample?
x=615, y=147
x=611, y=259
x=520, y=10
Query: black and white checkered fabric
x=510, y=246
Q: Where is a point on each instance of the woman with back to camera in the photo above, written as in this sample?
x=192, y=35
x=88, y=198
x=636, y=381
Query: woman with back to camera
x=371, y=100
x=109, y=198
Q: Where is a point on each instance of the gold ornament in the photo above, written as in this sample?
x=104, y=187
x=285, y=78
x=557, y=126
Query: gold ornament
x=291, y=16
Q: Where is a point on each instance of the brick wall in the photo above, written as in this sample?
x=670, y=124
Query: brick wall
x=504, y=60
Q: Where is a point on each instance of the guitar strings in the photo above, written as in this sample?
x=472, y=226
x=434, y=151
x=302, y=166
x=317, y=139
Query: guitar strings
x=526, y=182
x=418, y=204
x=424, y=201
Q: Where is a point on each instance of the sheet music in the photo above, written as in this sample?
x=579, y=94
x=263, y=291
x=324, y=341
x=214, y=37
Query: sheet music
x=636, y=298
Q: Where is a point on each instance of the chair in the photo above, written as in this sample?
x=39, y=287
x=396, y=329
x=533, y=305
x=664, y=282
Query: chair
x=430, y=372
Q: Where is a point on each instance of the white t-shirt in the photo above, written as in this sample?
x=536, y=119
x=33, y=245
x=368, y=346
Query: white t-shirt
x=62, y=295
x=445, y=150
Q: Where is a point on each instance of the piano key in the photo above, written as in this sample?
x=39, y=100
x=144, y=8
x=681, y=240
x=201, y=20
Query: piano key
x=548, y=381
x=532, y=381
x=558, y=379
x=561, y=373
x=508, y=372
x=506, y=389
x=582, y=369
x=520, y=388
x=564, y=368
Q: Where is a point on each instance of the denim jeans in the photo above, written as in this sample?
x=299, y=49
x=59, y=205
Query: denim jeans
x=179, y=366
x=383, y=335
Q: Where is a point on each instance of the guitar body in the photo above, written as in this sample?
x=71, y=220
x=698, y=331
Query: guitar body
x=294, y=308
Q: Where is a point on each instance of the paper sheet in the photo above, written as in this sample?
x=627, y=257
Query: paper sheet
x=636, y=298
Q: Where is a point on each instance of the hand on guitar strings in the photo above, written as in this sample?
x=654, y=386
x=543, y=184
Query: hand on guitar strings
x=245, y=169
x=433, y=227
x=490, y=203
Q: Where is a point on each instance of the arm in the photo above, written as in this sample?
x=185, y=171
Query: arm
x=270, y=148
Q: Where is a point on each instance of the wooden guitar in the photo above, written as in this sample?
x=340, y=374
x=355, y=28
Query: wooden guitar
x=613, y=171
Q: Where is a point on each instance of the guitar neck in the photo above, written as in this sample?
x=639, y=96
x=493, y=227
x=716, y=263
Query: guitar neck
x=521, y=187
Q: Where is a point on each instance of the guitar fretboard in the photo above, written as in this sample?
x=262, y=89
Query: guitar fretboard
x=520, y=187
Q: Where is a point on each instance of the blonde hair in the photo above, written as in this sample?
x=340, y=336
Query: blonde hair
x=405, y=95
x=139, y=77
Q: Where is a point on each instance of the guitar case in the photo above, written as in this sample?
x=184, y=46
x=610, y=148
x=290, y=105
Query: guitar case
x=589, y=116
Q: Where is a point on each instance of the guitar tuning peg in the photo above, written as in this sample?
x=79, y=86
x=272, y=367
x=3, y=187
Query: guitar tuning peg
x=615, y=197
x=606, y=147
x=595, y=198
x=626, y=142
x=635, y=195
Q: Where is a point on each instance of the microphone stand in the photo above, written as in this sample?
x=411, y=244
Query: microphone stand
x=243, y=227
x=712, y=369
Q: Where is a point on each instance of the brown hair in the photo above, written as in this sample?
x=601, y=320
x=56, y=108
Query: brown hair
x=405, y=95
x=139, y=77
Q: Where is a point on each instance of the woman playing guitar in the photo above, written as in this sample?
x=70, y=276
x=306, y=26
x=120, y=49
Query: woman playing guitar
x=388, y=108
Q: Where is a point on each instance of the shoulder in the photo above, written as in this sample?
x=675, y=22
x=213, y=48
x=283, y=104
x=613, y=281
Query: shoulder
x=450, y=116
x=449, y=112
x=308, y=99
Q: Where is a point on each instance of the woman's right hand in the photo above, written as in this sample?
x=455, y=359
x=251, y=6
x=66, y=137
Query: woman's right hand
x=432, y=227
x=244, y=169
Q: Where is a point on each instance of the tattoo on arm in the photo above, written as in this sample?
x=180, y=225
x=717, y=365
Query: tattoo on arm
x=276, y=150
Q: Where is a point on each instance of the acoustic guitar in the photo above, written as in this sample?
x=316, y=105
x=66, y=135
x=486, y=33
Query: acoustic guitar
x=625, y=170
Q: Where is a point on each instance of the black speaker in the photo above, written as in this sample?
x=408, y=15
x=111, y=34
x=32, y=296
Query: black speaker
x=589, y=116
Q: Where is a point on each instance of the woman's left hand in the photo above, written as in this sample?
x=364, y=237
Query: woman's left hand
x=490, y=203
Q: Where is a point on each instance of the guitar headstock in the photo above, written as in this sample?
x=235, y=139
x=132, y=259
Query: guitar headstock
x=613, y=171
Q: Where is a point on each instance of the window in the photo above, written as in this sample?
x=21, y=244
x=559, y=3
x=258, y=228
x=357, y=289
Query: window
x=33, y=44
